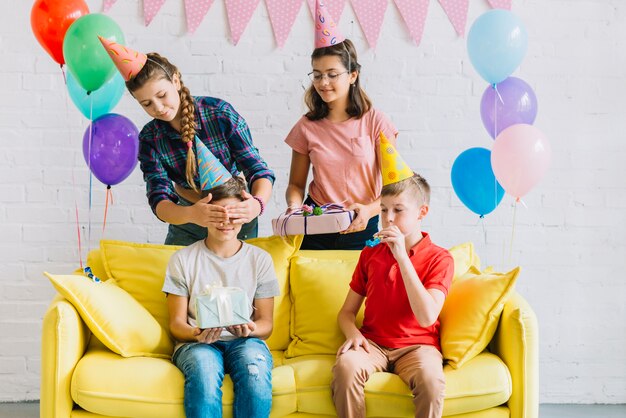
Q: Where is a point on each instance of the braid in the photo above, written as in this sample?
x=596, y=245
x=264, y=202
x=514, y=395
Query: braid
x=188, y=131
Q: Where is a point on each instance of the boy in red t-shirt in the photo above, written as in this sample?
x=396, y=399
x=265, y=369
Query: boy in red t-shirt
x=404, y=280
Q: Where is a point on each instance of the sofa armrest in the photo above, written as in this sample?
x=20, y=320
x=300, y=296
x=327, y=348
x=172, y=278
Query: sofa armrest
x=64, y=340
x=516, y=343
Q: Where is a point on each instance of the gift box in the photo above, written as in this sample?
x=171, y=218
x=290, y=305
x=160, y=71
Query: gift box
x=222, y=307
x=325, y=219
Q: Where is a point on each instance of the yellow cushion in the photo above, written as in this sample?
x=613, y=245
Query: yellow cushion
x=281, y=249
x=471, y=312
x=118, y=320
x=464, y=257
x=319, y=285
x=139, y=268
x=106, y=384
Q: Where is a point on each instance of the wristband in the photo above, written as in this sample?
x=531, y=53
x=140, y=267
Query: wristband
x=261, y=203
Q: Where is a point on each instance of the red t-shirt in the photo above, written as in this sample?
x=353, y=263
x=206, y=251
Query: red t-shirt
x=389, y=320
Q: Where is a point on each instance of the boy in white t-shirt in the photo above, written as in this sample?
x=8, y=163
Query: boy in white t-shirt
x=205, y=355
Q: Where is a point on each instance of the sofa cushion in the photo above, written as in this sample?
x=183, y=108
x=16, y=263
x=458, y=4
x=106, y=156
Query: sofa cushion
x=464, y=257
x=107, y=384
x=471, y=311
x=139, y=268
x=483, y=382
x=106, y=309
x=281, y=249
x=319, y=284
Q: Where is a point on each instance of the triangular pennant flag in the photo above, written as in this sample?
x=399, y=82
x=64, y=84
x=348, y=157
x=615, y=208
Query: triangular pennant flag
x=150, y=9
x=457, y=13
x=393, y=166
x=128, y=61
x=370, y=14
x=414, y=14
x=195, y=10
x=282, y=15
x=239, y=13
x=500, y=4
x=210, y=170
x=327, y=33
x=335, y=7
x=107, y=5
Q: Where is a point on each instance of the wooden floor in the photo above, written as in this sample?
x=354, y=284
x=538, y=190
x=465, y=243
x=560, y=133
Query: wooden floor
x=31, y=410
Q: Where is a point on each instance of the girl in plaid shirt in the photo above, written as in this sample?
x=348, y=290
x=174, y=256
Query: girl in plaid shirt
x=167, y=154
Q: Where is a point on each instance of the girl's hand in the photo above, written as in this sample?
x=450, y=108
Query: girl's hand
x=208, y=335
x=292, y=208
x=242, y=331
x=206, y=214
x=363, y=214
x=355, y=343
x=245, y=211
x=395, y=240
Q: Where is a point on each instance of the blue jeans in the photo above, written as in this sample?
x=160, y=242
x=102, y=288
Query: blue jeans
x=249, y=363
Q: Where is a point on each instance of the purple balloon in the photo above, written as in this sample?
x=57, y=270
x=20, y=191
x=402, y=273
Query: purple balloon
x=112, y=155
x=515, y=103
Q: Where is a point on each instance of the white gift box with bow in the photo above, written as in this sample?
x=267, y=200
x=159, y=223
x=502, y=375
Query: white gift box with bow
x=220, y=306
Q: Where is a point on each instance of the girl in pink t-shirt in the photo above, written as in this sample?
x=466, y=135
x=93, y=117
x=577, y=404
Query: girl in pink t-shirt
x=339, y=139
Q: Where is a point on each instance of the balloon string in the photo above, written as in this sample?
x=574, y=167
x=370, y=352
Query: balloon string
x=78, y=234
x=495, y=131
x=90, y=173
x=109, y=196
x=513, y=231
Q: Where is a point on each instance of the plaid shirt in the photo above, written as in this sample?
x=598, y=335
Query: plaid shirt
x=163, y=155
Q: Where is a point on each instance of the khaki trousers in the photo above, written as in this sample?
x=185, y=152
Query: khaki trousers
x=419, y=366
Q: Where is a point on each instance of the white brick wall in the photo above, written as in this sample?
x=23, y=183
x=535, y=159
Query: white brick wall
x=570, y=239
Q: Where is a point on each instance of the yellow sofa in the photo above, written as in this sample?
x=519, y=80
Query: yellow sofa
x=82, y=378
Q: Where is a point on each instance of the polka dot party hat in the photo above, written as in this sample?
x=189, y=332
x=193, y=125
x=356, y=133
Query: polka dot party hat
x=326, y=31
x=394, y=169
x=212, y=172
x=127, y=61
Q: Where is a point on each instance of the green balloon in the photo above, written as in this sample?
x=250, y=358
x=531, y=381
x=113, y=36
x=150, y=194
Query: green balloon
x=86, y=58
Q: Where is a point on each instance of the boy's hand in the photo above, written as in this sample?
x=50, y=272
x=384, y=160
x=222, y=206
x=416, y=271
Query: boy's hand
x=355, y=342
x=394, y=239
x=244, y=330
x=207, y=335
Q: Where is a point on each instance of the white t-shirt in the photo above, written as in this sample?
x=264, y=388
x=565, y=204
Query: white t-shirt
x=193, y=268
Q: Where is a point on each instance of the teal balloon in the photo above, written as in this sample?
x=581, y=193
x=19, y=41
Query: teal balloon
x=474, y=183
x=86, y=58
x=496, y=44
x=99, y=102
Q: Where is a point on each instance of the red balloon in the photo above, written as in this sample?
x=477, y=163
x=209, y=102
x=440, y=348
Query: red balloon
x=49, y=20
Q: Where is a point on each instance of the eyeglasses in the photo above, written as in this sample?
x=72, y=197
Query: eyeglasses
x=317, y=77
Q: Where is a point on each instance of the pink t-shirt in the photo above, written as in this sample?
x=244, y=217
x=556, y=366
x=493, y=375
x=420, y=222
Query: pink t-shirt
x=344, y=156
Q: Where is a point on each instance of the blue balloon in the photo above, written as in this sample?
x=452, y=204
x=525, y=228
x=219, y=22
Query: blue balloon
x=474, y=183
x=98, y=102
x=496, y=44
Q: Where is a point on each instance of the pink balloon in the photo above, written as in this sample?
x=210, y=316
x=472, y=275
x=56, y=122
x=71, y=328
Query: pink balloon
x=520, y=158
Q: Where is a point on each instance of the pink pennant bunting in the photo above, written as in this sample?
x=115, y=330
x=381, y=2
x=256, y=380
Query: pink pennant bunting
x=150, y=9
x=335, y=7
x=457, y=13
x=500, y=4
x=107, y=5
x=414, y=14
x=282, y=15
x=239, y=14
x=370, y=14
x=195, y=10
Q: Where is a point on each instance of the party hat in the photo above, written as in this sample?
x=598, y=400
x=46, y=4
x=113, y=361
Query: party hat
x=212, y=172
x=326, y=31
x=394, y=169
x=128, y=62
